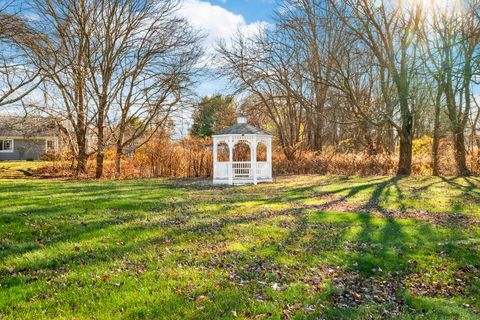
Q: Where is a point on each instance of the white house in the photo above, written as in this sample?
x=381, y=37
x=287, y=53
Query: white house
x=242, y=154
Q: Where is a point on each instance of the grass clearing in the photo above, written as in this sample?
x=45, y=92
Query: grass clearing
x=306, y=247
x=18, y=169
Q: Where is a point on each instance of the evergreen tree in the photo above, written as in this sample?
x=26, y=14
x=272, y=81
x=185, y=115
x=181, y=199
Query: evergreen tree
x=213, y=114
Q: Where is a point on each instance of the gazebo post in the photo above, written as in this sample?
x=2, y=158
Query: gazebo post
x=230, y=160
x=269, y=156
x=215, y=158
x=269, y=150
x=253, y=159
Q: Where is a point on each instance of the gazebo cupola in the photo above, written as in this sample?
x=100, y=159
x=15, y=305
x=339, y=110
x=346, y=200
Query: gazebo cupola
x=242, y=154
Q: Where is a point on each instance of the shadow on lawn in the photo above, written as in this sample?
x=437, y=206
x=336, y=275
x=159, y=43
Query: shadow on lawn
x=377, y=245
x=75, y=213
x=390, y=235
x=387, y=251
x=380, y=246
x=470, y=190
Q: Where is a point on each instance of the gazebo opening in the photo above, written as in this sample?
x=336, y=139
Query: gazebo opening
x=261, y=152
x=223, y=152
x=241, y=152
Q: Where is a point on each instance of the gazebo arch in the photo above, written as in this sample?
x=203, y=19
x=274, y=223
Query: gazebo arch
x=242, y=167
x=261, y=151
x=242, y=151
x=223, y=152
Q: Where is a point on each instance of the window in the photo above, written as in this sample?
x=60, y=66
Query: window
x=50, y=146
x=6, y=145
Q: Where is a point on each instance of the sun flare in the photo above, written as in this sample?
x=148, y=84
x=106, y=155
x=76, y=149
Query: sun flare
x=435, y=5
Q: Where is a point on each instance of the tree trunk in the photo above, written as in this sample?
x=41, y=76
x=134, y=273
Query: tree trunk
x=100, y=145
x=100, y=158
x=81, y=160
x=406, y=133
x=289, y=153
x=389, y=139
x=478, y=151
x=405, y=159
x=436, y=135
x=406, y=139
x=82, y=149
x=319, y=130
x=460, y=152
x=118, y=162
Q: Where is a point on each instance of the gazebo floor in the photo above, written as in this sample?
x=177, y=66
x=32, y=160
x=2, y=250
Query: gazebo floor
x=240, y=180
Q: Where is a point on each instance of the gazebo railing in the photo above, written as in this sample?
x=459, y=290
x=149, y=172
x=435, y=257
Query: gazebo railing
x=264, y=170
x=221, y=170
x=242, y=170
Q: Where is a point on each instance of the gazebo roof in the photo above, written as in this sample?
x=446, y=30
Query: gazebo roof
x=242, y=128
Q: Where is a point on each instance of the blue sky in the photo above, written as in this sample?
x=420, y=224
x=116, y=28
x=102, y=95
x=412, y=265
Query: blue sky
x=251, y=10
x=221, y=19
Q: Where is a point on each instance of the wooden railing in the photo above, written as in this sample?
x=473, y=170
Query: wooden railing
x=264, y=170
x=242, y=170
x=221, y=170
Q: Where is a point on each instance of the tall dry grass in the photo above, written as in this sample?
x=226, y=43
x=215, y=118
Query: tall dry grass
x=192, y=158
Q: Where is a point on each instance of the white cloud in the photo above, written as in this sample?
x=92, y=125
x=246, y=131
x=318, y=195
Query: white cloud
x=217, y=22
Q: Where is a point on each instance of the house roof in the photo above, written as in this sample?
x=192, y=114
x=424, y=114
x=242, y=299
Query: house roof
x=242, y=128
x=14, y=126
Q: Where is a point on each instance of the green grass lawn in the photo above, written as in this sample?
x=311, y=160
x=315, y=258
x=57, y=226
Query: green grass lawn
x=306, y=247
x=18, y=169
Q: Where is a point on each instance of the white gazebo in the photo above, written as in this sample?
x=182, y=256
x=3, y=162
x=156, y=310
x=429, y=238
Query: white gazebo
x=242, y=154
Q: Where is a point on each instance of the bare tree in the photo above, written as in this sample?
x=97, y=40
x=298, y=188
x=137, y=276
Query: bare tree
x=265, y=67
x=141, y=70
x=18, y=75
x=151, y=73
x=114, y=60
x=313, y=33
x=452, y=42
x=66, y=26
x=389, y=32
x=434, y=57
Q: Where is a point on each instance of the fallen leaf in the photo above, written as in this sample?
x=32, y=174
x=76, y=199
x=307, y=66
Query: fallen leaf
x=201, y=299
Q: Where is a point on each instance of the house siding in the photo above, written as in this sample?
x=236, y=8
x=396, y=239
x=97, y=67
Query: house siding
x=25, y=149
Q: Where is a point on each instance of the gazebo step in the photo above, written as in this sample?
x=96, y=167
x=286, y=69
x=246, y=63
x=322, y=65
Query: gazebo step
x=241, y=181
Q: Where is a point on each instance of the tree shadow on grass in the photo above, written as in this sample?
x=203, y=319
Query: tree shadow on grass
x=375, y=255
x=387, y=252
x=378, y=244
x=64, y=262
x=469, y=193
x=471, y=190
x=308, y=192
x=48, y=222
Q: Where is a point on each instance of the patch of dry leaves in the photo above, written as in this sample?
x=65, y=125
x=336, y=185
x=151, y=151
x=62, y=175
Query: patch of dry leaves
x=340, y=203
